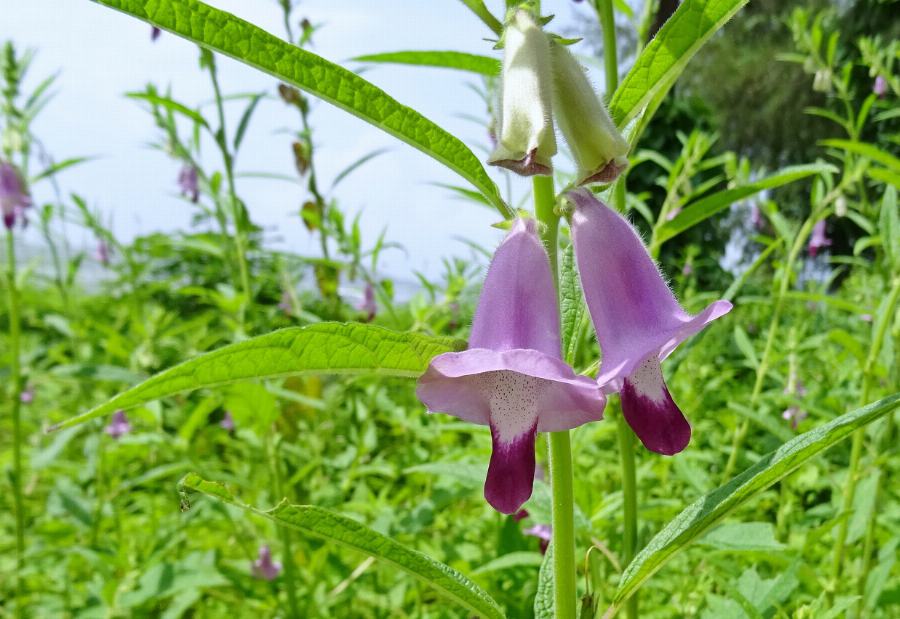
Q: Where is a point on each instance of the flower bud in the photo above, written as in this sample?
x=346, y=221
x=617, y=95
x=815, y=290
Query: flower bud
x=599, y=149
x=526, y=141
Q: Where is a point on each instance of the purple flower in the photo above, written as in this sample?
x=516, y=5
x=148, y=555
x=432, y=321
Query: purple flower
x=27, y=395
x=187, y=182
x=227, y=422
x=543, y=532
x=795, y=415
x=368, y=305
x=119, y=425
x=154, y=33
x=512, y=377
x=285, y=303
x=818, y=238
x=687, y=269
x=103, y=252
x=865, y=317
x=14, y=198
x=264, y=568
x=879, y=87
x=637, y=319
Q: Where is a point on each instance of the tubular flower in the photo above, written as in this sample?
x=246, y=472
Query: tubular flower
x=818, y=239
x=526, y=141
x=264, y=568
x=14, y=198
x=119, y=425
x=597, y=146
x=512, y=377
x=368, y=305
x=637, y=319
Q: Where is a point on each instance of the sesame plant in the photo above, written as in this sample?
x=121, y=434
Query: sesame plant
x=661, y=425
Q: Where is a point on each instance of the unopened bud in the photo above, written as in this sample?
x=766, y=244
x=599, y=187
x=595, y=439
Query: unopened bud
x=599, y=149
x=526, y=141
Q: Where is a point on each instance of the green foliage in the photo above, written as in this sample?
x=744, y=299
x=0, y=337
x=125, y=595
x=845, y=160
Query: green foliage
x=341, y=530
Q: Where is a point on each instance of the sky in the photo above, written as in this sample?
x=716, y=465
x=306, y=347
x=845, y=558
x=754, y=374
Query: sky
x=101, y=54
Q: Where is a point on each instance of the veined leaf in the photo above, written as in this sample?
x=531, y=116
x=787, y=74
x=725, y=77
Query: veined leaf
x=709, y=509
x=544, y=603
x=704, y=208
x=224, y=33
x=663, y=60
x=334, y=527
x=323, y=348
x=571, y=303
x=483, y=65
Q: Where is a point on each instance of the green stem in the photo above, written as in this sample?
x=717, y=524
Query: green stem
x=849, y=494
x=561, y=476
x=16, y=374
x=290, y=568
x=236, y=211
x=629, y=493
x=763, y=367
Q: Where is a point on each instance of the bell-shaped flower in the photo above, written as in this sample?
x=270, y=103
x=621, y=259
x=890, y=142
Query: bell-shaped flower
x=599, y=149
x=879, y=86
x=637, y=319
x=512, y=377
x=227, y=422
x=264, y=567
x=525, y=140
x=818, y=239
x=14, y=198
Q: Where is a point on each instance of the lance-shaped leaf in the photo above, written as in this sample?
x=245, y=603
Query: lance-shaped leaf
x=324, y=348
x=709, y=509
x=334, y=527
x=224, y=33
x=483, y=65
x=663, y=60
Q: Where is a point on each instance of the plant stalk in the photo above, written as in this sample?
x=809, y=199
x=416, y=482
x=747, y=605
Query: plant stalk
x=16, y=375
x=561, y=475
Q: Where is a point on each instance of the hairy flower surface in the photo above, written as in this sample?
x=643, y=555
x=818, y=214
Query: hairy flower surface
x=637, y=319
x=599, y=149
x=525, y=141
x=512, y=377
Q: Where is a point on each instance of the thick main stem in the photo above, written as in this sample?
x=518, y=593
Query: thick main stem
x=16, y=371
x=561, y=476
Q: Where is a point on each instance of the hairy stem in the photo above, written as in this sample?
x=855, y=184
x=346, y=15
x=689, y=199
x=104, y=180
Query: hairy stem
x=561, y=478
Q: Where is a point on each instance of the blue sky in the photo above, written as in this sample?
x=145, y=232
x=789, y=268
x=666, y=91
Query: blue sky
x=101, y=54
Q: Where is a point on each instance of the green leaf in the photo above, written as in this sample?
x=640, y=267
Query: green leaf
x=544, y=604
x=866, y=150
x=663, y=60
x=334, y=527
x=483, y=65
x=709, y=509
x=59, y=167
x=706, y=207
x=170, y=104
x=571, y=303
x=478, y=7
x=323, y=348
x=245, y=119
x=523, y=558
x=224, y=33
x=743, y=537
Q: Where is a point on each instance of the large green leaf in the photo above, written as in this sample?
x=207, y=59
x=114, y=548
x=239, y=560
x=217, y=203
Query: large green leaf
x=224, y=33
x=709, y=509
x=483, y=65
x=334, y=527
x=323, y=348
x=704, y=208
x=663, y=60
